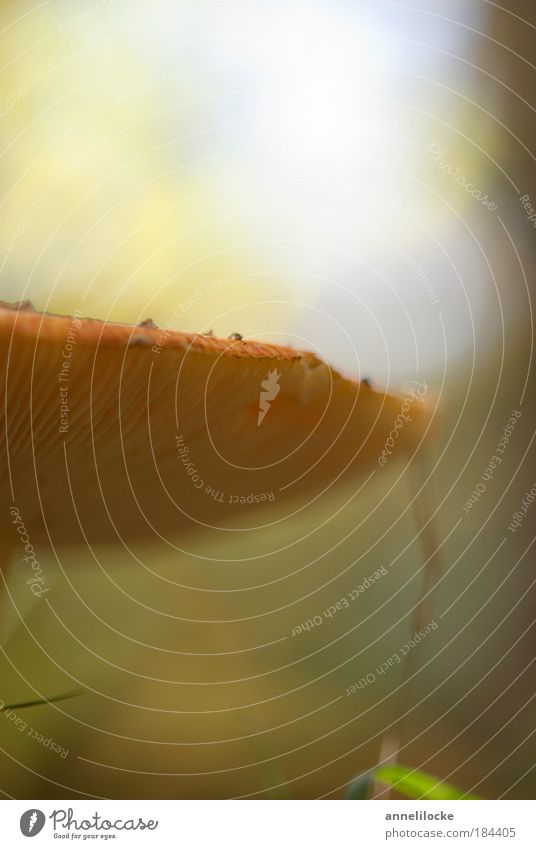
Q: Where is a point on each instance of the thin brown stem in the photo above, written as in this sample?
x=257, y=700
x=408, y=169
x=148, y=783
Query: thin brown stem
x=392, y=741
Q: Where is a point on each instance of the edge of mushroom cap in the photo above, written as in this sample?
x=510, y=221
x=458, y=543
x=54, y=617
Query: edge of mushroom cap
x=23, y=319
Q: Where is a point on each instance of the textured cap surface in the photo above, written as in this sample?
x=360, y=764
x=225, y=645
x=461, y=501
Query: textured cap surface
x=113, y=431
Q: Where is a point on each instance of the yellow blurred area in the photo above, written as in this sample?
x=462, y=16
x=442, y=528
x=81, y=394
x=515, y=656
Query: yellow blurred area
x=101, y=212
x=149, y=152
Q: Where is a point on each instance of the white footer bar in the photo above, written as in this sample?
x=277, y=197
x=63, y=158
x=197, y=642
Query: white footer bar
x=269, y=824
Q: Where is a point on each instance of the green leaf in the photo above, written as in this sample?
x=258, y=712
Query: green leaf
x=418, y=785
x=360, y=787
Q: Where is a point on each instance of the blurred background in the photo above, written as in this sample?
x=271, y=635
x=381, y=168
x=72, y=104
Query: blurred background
x=353, y=178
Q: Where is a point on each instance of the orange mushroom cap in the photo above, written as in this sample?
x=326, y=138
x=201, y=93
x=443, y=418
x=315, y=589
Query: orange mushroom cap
x=112, y=431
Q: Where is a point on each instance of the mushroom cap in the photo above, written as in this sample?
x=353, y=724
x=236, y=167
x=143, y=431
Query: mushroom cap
x=115, y=432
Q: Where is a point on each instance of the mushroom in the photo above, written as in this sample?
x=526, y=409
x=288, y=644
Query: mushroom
x=115, y=432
